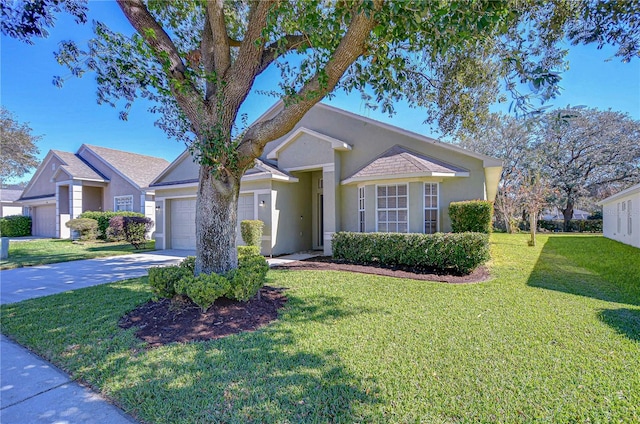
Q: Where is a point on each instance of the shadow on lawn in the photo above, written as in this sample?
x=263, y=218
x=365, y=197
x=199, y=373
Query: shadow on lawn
x=595, y=267
x=277, y=374
x=624, y=320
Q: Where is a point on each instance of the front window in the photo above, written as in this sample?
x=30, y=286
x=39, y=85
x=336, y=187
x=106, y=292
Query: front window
x=361, y=209
x=430, y=208
x=392, y=208
x=123, y=203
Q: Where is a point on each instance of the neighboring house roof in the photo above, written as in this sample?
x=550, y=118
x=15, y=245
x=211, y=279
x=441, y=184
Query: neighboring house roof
x=9, y=195
x=399, y=162
x=635, y=189
x=78, y=168
x=556, y=214
x=139, y=169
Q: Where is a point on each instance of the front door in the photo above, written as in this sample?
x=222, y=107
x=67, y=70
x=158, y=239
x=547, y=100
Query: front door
x=318, y=212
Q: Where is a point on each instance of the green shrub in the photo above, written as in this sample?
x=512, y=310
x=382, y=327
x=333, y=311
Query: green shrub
x=103, y=219
x=133, y=229
x=15, y=226
x=471, y=216
x=244, y=251
x=452, y=252
x=247, y=280
x=189, y=263
x=251, y=231
x=576, y=225
x=163, y=280
x=204, y=289
x=86, y=227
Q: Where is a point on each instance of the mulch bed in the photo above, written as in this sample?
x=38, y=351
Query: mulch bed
x=168, y=321
x=327, y=263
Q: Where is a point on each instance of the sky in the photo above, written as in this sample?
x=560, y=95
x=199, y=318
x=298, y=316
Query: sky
x=70, y=116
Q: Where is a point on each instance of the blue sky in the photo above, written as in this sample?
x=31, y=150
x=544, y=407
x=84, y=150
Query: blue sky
x=70, y=116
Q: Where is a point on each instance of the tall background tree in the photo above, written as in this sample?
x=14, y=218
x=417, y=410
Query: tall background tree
x=18, y=149
x=199, y=59
x=586, y=151
x=507, y=138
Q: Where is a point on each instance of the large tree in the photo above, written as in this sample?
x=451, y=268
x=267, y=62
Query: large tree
x=510, y=139
x=586, y=150
x=199, y=60
x=18, y=147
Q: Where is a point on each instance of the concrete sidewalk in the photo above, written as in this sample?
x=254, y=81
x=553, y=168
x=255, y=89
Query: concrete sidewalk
x=34, y=391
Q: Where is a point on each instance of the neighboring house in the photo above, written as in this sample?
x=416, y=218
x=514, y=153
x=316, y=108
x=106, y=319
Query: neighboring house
x=621, y=216
x=556, y=214
x=335, y=171
x=93, y=179
x=9, y=204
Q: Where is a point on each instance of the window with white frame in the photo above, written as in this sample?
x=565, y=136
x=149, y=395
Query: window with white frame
x=629, y=226
x=392, y=208
x=618, y=219
x=430, y=208
x=361, y=209
x=123, y=203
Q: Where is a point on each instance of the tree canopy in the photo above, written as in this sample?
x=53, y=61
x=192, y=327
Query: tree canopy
x=576, y=153
x=19, y=149
x=198, y=60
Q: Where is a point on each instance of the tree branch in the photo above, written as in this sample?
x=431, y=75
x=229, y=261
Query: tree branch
x=286, y=43
x=218, y=28
x=166, y=53
x=350, y=48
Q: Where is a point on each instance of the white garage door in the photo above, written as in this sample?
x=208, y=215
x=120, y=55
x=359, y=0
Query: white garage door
x=183, y=224
x=245, y=211
x=44, y=221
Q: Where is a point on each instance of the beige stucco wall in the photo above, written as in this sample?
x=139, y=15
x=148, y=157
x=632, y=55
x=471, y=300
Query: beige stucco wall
x=304, y=151
x=42, y=184
x=291, y=215
x=91, y=198
x=183, y=170
x=117, y=186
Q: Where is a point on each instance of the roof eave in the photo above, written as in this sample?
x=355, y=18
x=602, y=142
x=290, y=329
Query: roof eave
x=373, y=178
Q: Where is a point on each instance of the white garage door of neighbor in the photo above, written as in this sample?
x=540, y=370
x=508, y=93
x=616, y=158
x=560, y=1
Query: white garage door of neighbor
x=245, y=211
x=44, y=221
x=183, y=224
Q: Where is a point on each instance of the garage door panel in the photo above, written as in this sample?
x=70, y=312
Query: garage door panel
x=183, y=224
x=44, y=221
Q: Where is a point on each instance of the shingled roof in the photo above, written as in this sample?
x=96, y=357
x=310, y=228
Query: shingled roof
x=76, y=167
x=9, y=194
x=140, y=169
x=398, y=162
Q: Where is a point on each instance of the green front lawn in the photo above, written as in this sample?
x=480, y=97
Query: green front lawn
x=49, y=251
x=553, y=337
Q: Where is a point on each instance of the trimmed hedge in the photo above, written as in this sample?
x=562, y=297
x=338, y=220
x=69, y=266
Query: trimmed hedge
x=251, y=231
x=15, y=226
x=471, y=216
x=576, y=225
x=133, y=229
x=103, y=219
x=87, y=227
x=451, y=252
x=240, y=284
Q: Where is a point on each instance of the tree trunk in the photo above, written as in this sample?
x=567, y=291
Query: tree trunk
x=216, y=220
x=533, y=227
x=567, y=212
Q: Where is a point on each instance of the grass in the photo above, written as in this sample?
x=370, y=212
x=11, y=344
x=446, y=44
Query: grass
x=49, y=251
x=553, y=337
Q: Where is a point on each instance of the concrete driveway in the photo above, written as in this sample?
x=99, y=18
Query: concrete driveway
x=42, y=280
